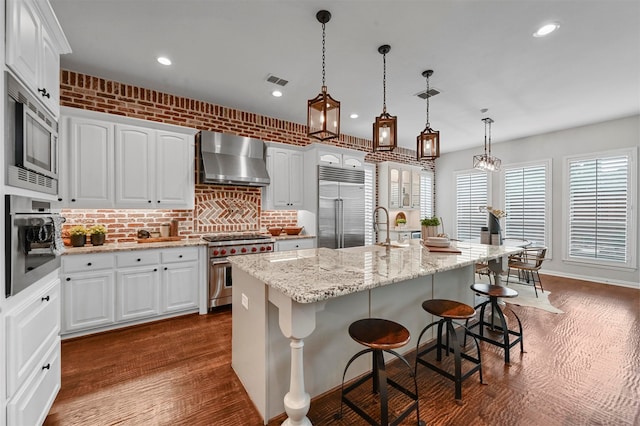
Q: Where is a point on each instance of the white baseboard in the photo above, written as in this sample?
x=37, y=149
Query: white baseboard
x=598, y=280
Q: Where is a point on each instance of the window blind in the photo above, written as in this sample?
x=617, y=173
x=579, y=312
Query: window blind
x=525, y=201
x=369, y=200
x=599, y=208
x=471, y=194
x=426, y=195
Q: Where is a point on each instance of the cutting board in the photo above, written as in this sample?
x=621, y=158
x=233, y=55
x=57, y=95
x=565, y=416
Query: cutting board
x=444, y=249
x=159, y=239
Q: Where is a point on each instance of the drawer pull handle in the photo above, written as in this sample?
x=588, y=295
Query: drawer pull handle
x=45, y=298
x=44, y=92
x=46, y=367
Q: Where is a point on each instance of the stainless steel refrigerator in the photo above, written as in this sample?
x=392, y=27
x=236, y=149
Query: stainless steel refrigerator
x=341, y=204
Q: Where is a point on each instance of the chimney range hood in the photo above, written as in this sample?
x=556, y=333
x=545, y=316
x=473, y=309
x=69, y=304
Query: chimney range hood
x=232, y=160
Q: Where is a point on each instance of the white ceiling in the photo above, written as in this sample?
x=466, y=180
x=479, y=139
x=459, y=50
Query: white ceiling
x=482, y=53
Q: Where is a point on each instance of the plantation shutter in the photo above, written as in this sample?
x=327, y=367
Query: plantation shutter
x=599, y=208
x=426, y=194
x=471, y=194
x=369, y=200
x=525, y=195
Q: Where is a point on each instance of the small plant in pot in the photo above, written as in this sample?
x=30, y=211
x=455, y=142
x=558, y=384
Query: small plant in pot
x=430, y=227
x=98, y=234
x=78, y=235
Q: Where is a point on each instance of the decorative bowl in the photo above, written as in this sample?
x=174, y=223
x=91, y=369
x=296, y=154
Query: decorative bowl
x=293, y=230
x=275, y=231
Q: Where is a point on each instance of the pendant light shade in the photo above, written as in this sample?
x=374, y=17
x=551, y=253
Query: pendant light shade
x=487, y=161
x=323, y=112
x=385, y=128
x=428, y=141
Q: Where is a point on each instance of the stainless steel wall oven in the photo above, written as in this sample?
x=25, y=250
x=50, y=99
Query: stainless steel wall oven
x=32, y=242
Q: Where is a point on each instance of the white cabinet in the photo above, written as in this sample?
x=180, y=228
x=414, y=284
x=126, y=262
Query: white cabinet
x=399, y=186
x=285, y=167
x=105, y=290
x=115, y=162
x=295, y=244
x=34, y=42
x=338, y=159
x=33, y=354
x=88, y=291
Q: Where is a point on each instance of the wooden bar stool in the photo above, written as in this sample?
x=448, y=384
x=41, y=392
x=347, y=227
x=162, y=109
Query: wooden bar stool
x=495, y=292
x=449, y=310
x=379, y=336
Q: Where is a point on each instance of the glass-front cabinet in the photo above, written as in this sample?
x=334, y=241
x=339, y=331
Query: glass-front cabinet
x=399, y=185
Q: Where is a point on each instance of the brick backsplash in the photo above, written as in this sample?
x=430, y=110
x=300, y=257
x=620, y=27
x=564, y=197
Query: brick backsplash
x=217, y=208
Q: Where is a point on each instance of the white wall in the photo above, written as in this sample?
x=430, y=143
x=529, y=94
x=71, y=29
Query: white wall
x=609, y=135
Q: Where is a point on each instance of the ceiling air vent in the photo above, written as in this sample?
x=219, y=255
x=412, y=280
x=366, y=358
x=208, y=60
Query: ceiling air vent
x=277, y=80
x=430, y=94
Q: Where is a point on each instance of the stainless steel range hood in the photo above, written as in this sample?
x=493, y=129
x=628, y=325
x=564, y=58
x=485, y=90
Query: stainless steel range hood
x=232, y=160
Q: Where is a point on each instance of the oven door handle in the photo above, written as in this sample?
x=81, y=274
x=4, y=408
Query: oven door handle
x=218, y=262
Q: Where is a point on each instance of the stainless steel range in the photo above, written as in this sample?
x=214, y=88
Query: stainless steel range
x=222, y=246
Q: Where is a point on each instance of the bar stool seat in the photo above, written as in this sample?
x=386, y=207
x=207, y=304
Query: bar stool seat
x=449, y=310
x=379, y=336
x=495, y=292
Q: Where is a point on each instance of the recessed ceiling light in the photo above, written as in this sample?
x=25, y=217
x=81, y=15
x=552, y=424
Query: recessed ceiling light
x=546, y=29
x=354, y=115
x=276, y=93
x=164, y=60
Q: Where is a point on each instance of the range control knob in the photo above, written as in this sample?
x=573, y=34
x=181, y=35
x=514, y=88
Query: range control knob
x=268, y=248
x=263, y=248
x=232, y=251
x=223, y=252
x=254, y=249
x=216, y=252
x=244, y=249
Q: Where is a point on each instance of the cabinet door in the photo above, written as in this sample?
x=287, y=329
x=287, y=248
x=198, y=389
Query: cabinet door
x=280, y=178
x=329, y=159
x=394, y=188
x=88, y=300
x=406, y=188
x=135, y=167
x=180, y=286
x=137, y=293
x=352, y=162
x=50, y=74
x=174, y=171
x=415, y=189
x=296, y=179
x=90, y=167
x=299, y=244
x=23, y=41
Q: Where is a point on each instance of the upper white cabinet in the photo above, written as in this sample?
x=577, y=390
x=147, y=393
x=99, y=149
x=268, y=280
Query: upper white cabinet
x=399, y=185
x=34, y=42
x=124, y=163
x=285, y=167
x=338, y=159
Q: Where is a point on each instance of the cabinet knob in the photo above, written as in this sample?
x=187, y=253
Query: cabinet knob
x=158, y=201
x=68, y=279
x=139, y=259
x=46, y=367
x=165, y=268
x=180, y=256
x=73, y=200
x=44, y=93
x=45, y=298
x=89, y=264
x=149, y=201
x=155, y=269
x=59, y=199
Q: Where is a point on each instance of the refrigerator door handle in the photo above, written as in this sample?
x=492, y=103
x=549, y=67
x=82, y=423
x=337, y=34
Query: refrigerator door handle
x=336, y=225
x=341, y=222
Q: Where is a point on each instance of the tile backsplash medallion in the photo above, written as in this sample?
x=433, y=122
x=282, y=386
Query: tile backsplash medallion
x=217, y=209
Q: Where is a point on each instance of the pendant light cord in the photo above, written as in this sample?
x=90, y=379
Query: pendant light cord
x=489, y=138
x=384, y=83
x=323, y=48
x=428, y=126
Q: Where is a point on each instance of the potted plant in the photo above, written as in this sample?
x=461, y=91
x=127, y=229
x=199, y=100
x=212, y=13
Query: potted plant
x=401, y=222
x=78, y=235
x=430, y=227
x=98, y=233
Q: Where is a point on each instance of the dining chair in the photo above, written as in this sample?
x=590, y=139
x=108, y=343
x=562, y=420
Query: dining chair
x=528, y=263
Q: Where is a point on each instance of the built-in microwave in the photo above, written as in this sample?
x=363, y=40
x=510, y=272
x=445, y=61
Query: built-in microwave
x=31, y=141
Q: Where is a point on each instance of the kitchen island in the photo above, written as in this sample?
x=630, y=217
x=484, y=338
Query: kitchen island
x=309, y=298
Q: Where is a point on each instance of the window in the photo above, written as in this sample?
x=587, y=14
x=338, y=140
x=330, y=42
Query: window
x=471, y=194
x=426, y=195
x=527, y=201
x=599, y=223
x=369, y=201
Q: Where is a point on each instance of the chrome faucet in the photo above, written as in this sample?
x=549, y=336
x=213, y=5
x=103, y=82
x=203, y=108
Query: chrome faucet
x=375, y=223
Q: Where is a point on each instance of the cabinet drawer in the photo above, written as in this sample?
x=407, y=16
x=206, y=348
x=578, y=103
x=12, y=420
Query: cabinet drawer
x=87, y=262
x=137, y=258
x=31, y=329
x=179, y=255
x=305, y=243
x=32, y=403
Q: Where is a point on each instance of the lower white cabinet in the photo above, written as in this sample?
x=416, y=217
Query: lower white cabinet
x=33, y=354
x=295, y=244
x=118, y=288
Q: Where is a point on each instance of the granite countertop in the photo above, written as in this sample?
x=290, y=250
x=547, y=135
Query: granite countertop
x=312, y=275
x=291, y=237
x=111, y=247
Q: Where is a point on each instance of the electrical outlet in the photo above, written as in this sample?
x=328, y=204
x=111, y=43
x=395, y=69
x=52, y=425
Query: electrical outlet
x=245, y=301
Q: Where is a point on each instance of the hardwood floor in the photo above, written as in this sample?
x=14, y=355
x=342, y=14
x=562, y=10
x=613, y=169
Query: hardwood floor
x=580, y=368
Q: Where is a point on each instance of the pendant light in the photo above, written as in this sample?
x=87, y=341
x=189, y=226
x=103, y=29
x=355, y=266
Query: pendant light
x=486, y=161
x=385, y=128
x=428, y=140
x=323, y=112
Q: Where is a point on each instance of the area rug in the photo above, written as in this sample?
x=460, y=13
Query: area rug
x=527, y=297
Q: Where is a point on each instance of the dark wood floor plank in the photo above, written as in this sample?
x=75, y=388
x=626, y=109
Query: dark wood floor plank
x=580, y=368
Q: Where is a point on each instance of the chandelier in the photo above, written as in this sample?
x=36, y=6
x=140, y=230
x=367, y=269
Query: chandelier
x=323, y=112
x=428, y=140
x=486, y=161
x=385, y=128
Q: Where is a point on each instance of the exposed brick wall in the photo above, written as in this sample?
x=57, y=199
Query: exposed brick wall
x=97, y=94
x=278, y=218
